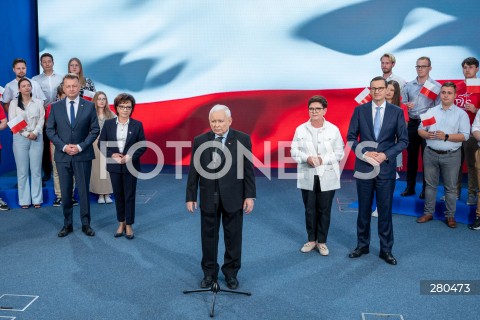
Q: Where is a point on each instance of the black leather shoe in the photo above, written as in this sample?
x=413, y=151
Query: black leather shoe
x=129, y=236
x=407, y=192
x=206, y=282
x=65, y=231
x=118, y=234
x=422, y=195
x=88, y=231
x=232, y=283
x=358, y=252
x=388, y=257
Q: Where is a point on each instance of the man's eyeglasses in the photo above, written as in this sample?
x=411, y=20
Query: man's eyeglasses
x=379, y=89
x=125, y=107
x=314, y=110
x=421, y=67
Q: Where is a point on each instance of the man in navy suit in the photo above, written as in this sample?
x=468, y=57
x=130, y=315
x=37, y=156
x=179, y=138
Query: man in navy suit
x=227, y=190
x=377, y=133
x=72, y=127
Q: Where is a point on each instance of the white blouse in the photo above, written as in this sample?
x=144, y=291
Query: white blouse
x=34, y=115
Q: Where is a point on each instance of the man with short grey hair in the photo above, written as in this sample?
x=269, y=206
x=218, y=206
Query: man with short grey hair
x=224, y=193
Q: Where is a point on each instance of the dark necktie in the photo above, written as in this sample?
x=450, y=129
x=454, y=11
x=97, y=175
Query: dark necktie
x=217, y=153
x=72, y=113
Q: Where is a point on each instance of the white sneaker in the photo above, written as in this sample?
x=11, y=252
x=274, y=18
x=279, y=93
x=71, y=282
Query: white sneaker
x=101, y=199
x=322, y=248
x=107, y=198
x=375, y=213
x=307, y=247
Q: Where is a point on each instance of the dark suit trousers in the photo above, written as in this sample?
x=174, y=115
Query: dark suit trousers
x=232, y=232
x=318, y=207
x=415, y=143
x=81, y=170
x=124, y=189
x=383, y=188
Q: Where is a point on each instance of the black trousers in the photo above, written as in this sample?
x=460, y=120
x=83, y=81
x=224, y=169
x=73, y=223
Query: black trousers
x=232, y=231
x=318, y=207
x=82, y=171
x=124, y=190
x=383, y=189
x=415, y=144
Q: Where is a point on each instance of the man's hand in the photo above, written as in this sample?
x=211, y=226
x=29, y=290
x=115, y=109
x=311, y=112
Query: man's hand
x=470, y=107
x=370, y=158
x=314, y=161
x=71, y=149
x=248, y=205
x=380, y=157
x=191, y=206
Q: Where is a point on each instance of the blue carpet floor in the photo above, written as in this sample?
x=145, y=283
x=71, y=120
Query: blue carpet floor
x=103, y=277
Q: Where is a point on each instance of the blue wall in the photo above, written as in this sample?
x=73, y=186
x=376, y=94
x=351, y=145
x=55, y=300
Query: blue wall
x=19, y=39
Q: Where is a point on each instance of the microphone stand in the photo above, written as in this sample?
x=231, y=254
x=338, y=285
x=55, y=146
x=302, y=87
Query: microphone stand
x=215, y=288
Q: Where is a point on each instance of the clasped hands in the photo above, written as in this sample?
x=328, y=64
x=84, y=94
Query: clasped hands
x=375, y=158
x=120, y=158
x=314, y=161
x=72, y=149
x=248, y=205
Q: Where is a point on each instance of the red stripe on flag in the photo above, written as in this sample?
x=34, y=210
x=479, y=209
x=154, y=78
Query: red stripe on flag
x=428, y=93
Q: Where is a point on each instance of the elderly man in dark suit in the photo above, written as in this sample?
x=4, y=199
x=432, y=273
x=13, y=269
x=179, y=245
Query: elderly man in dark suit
x=377, y=134
x=72, y=127
x=227, y=189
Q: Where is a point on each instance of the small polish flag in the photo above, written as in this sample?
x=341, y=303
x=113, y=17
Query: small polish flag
x=2, y=89
x=17, y=124
x=427, y=119
x=364, y=96
x=473, y=85
x=430, y=90
x=88, y=95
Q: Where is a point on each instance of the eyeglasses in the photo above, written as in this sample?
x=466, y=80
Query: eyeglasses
x=379, y=89
x=102, y=99
x=421, y=67
x=314, y=110
x=125, y=107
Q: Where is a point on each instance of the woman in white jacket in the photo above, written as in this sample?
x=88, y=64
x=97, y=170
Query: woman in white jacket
x=317, y=147
x=28, y=144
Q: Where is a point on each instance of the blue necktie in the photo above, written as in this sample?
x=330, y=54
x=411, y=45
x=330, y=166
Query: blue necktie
x=72, y=113
x=377, y=123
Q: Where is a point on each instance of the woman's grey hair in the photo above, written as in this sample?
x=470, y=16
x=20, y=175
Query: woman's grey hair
x=220, y=107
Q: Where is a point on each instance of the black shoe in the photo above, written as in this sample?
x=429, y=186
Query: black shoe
x=57, y=202
x=232, y=283
x=65, y=231
x=206, y=282
x=88, y=231
x=118, y=234
x=74, y=202
x=358, y=252
x=407, y=192
x=422, y=195
x=388, y=257
x=129, y=236
x=475, y=225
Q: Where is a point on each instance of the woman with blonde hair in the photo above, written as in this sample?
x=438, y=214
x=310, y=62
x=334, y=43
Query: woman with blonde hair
x=75, y=66
x=102, y=187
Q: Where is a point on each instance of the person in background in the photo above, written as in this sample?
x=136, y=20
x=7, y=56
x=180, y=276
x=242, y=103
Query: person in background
x=28, y=145
x=3, y=125
x=417, y=104
x=126, y=133
x=387, y=62
x=317, y=148
x=75, y=66
x=444, y=142
x=49, y=80
x=11, y=89
x=99, y=185
x=470, y=102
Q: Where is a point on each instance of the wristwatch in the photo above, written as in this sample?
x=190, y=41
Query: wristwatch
x=446, y=137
